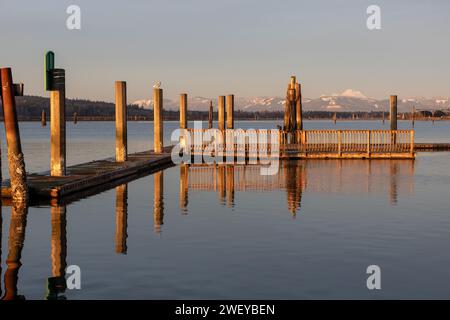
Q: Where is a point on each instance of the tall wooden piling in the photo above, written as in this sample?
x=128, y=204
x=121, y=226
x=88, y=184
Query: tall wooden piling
x=75, y=118
x=43, y=118
x=413, y=115
x=58, y=131
x=221, y=113
x=230, y=111
x=121, y=121
x=17, y=172
x=158, y=120
x=298, y=107
x=393, y=112
x=183, y=110
x=210, y=116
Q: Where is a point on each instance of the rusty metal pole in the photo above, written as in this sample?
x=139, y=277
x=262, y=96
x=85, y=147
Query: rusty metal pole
x=157, y=120
x=121, y=120
x=17, y=172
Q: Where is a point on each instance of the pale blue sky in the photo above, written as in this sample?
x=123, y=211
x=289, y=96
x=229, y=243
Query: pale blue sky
x=246, y=47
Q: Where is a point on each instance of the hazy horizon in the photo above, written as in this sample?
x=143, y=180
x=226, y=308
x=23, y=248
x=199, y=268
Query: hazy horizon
x=249, y=48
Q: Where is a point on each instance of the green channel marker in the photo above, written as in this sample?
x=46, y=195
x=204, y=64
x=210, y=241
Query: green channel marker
x=49, y=65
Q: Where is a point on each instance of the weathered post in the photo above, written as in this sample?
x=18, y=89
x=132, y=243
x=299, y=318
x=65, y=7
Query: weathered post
x=210, y=116
x=183, y=110
x=393, y=117
x=230, y=111
x=75, y=118
x=17, y=172
x=393, y=112
x=413, y=114
x=56, y=84
x=121, y=121
x=43, y=118
x=157, y=120
x=221, y=113
x=298, y=107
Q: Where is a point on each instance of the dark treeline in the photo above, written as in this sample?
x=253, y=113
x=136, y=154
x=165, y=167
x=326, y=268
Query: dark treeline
x=29, y=108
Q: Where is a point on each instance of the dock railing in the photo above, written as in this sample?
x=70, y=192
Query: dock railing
x=334, y=143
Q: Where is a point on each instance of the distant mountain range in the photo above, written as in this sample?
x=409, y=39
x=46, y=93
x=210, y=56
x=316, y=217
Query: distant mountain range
x=349, y=100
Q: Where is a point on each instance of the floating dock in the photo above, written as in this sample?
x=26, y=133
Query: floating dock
x=92, y=175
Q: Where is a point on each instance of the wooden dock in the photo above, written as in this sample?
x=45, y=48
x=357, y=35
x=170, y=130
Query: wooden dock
x=91, y=175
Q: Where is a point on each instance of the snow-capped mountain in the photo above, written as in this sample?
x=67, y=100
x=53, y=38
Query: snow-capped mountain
x=348, y=100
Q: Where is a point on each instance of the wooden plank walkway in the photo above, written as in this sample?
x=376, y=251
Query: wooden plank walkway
x=94, y=174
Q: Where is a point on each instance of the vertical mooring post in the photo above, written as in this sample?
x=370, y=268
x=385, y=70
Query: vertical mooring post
x=75, y=118
x=230, y=111
x=57, y=133
x=55, y=82
x=121, y=121
x=43, y=118
x=298, y=106
x=157, y=120
x=393, y=117
x=17, y=172
x=183, y=110
x=210, y=116
x=413, y=114
x=221, y=113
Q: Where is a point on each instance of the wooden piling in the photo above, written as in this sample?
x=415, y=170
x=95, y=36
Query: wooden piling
x=230, y=111
x=58, y=132
x=210, y=116
x=121, y=121
x=158, y=120
x=221, y=113
x=16, y=160
x=393, y=112
x=413, y=114
x=183, y=110
x=298, y=107
x=43, y=118
x=75, y=118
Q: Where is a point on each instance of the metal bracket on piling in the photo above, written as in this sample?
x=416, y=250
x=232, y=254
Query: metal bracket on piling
x=18, y=89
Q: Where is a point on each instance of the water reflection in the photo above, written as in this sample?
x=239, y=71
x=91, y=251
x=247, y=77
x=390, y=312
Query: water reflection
x=56, y=284
x=158, y=201
x=17, y=228
x=390, y=177
x=121, y=218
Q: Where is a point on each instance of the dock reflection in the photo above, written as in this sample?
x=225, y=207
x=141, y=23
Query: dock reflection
x=56, y=284
x=15, y=245
x=391, y=177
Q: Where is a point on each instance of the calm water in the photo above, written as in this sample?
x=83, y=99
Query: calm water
x=228, y=232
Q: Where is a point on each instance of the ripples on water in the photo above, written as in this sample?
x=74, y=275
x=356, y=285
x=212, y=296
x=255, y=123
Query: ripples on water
x=227, y=232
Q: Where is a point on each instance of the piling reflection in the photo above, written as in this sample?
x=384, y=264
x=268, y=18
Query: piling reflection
x=56, y=284
x=17, y=228
x=184, y=171
x=390, y=177
x=158, y=201
x=121, y=218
